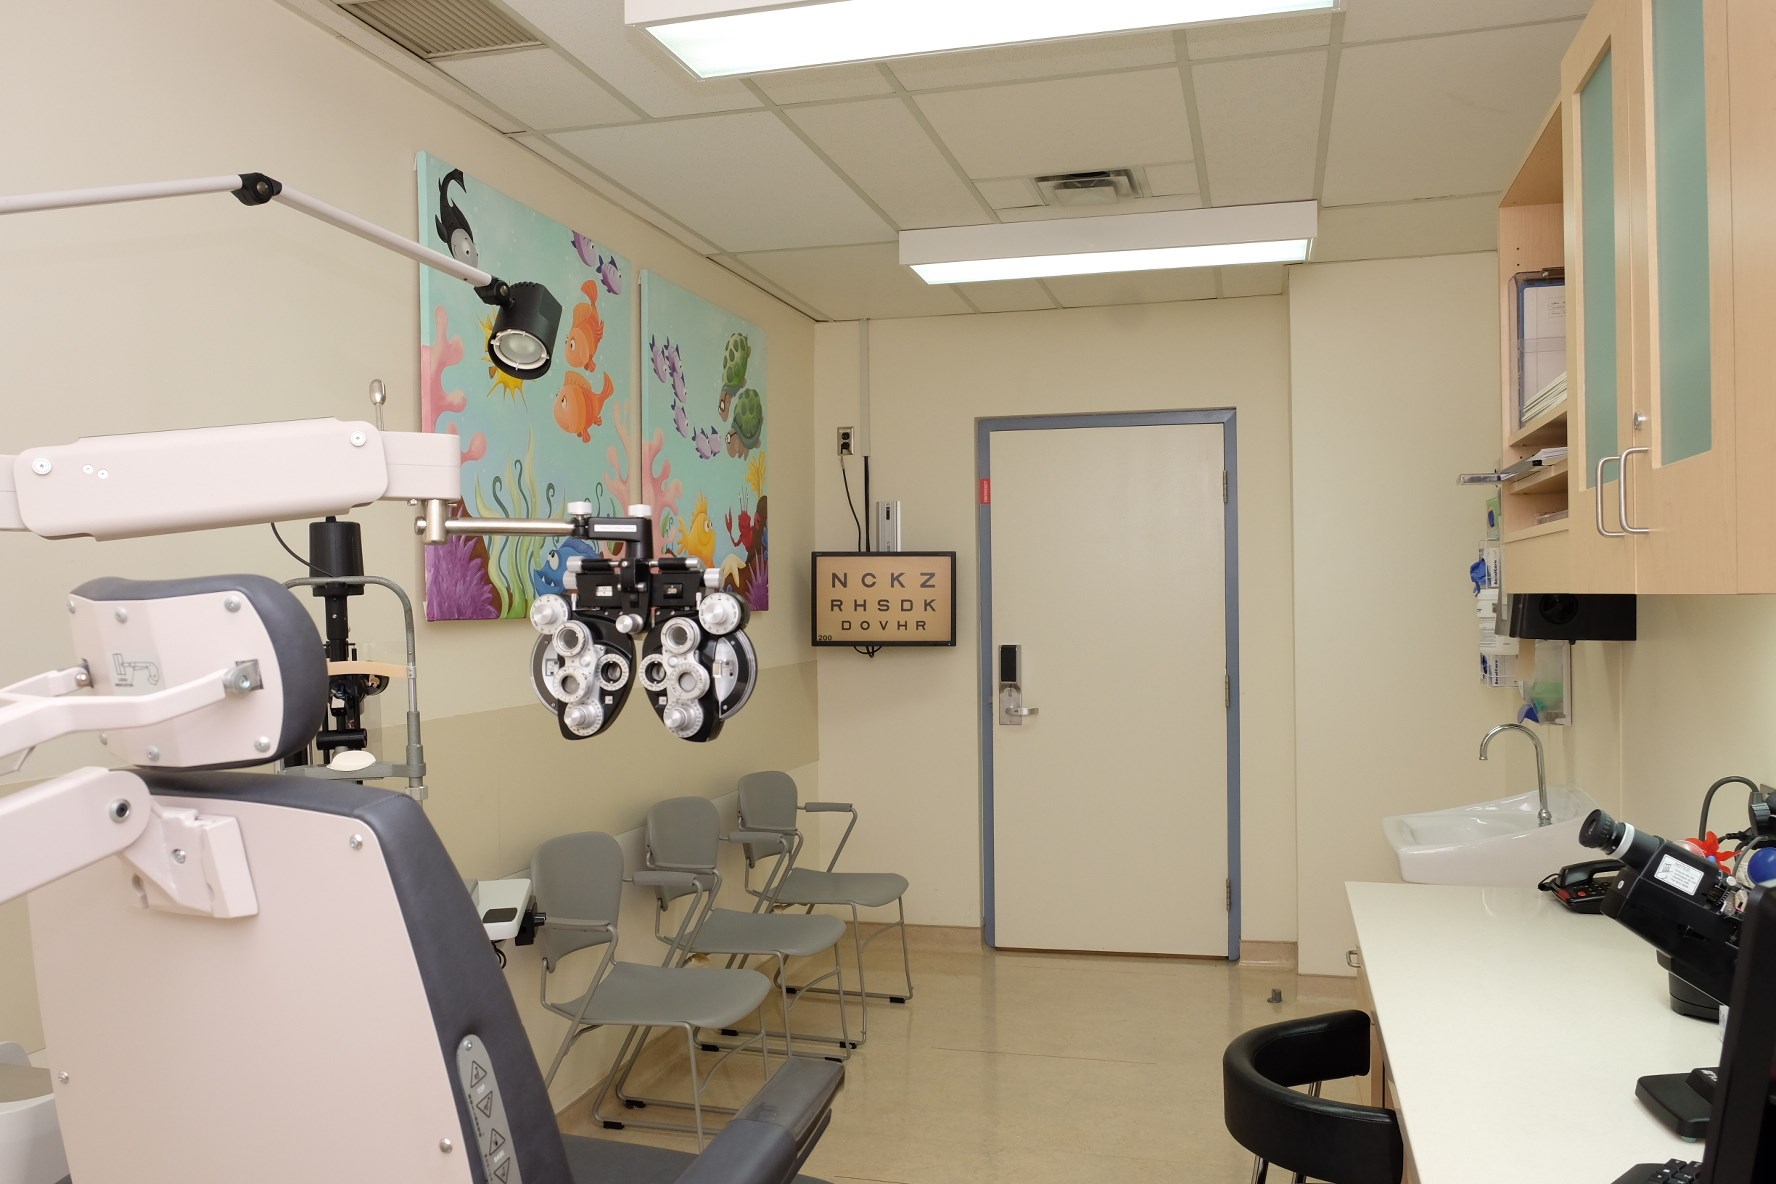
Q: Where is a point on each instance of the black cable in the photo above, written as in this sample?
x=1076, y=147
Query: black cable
x=849, y=503
x=868, y=651
x=1708, y=799
x=299, y=559
x=869, y=507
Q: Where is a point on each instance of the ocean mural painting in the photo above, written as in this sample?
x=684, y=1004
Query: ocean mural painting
x=528, y=447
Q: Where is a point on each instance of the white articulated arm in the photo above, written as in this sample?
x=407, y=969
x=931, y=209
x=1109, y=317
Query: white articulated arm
x=150, y=483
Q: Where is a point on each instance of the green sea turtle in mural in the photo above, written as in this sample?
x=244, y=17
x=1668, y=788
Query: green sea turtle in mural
x=748, y=424
x=735, y=358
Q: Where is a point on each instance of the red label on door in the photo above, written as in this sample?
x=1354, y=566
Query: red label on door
x=986, y=491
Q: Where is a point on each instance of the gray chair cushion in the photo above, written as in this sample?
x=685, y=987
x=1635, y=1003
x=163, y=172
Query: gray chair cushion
x=864, y=889
x=666, y=996
x=606, y=1161
x=729, y=932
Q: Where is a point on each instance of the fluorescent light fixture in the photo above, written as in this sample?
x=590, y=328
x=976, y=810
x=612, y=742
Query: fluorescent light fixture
x=719, y=38
x=1224, y=236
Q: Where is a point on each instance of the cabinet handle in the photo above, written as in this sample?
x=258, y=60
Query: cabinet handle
x=1608, y=534
x=1622, y=493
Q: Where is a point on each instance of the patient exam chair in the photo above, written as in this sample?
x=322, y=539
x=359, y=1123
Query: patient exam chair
x=247, y=976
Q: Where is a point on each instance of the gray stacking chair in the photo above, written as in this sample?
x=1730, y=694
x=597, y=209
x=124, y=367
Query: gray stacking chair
x=578, y=882
x=684, y=836
x=768, y=805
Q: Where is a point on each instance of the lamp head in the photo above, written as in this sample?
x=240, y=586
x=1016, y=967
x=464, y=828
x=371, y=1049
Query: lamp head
x=524, y=328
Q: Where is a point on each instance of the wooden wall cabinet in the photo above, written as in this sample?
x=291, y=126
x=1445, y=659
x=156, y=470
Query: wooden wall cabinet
x=1650, y=137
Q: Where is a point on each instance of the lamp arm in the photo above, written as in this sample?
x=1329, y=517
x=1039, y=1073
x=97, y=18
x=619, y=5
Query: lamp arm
x=255, y=189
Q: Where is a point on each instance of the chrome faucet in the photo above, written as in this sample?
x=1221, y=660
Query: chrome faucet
x=1544, y=817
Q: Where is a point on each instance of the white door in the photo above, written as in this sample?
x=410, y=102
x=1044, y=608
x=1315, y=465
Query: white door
x=1109, y=805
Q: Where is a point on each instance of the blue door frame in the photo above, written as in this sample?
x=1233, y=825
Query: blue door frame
x=983, y=438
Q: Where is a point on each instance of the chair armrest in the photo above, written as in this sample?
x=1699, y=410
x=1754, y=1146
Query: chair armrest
x=829, y=808
x=576, y=923
x=656, y=879
x=760, y=838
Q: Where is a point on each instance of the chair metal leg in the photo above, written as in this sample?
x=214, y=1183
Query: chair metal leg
x=1260, y=1169
x=696, y=1087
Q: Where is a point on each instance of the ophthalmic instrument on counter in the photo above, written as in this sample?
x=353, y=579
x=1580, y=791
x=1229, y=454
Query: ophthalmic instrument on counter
x=281, y=978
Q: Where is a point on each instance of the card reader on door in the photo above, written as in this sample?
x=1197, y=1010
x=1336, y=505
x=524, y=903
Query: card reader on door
x=1012, y=711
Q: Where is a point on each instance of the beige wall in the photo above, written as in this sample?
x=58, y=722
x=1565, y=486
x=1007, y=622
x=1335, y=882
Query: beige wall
x=1396, y=391
x=198, y=311
x=899, y=732
x=1663, y=717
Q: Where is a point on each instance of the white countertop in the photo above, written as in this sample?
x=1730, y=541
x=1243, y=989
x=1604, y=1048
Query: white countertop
x=1515, y=1031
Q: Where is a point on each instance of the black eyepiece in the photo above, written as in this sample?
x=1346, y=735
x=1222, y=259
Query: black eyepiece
x=1601, y=831
x=1633, y=847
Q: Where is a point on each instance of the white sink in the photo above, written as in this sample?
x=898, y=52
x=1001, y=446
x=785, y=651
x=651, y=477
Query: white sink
x=1493, y=844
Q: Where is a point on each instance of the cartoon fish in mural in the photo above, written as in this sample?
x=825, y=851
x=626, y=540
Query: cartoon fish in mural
x=657, y=354
x=452, y=226
x=699, y=533
x=550, y=578
x=578, y=409
x=707, y=442
x=588, y=329
x=609, y=276
x=587, y=249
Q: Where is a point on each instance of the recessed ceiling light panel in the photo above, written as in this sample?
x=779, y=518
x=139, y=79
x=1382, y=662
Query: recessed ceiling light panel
x=1222, y=236
x=720, y=38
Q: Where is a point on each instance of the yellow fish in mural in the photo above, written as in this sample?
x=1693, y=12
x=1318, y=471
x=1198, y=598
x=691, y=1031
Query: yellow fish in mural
x=699, y=534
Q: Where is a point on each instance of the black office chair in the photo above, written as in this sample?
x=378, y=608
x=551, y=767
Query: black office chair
x=1302, y=1132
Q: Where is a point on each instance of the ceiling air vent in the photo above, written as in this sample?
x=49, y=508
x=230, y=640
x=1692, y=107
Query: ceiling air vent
x=1100, y=187
x=440, y=28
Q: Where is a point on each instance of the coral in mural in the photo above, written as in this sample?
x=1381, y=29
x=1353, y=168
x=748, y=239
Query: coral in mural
x=457, y=587
x=639, y=475
x=434, y=401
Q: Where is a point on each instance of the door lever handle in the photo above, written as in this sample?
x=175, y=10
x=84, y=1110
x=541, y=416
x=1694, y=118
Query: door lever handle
x=1022, y=711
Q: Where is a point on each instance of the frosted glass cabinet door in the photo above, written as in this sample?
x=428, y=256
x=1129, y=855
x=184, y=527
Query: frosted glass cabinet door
x=1682, y=485
x=1598, y=81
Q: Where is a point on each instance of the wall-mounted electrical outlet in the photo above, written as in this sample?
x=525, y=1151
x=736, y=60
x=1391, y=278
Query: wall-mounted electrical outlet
x=845, y=436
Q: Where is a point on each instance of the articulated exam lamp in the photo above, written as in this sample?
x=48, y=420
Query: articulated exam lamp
x=523, y=330
x=720, y=38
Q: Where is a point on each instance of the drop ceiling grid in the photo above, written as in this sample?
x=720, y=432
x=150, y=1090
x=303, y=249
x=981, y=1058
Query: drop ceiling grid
x=662, y=143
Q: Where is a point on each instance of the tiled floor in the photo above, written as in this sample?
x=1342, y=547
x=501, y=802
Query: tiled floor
x=1032, y=1068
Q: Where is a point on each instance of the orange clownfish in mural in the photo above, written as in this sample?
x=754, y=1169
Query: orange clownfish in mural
x=578, y=409
x=588, y=329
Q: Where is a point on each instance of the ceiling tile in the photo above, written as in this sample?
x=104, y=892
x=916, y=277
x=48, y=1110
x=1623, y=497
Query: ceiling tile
x=1134, y=287
x=629, y=60
x=744, y=181
x=1440, y=117
x=1369, y=20
x=540, y=87
x=1261, y=126
x=765, y=285
x=1226, y=39
x=851, y=283
x=1257, y=279
x=561, y=158
x=1138, y=205
x=1399, y=230
x=1007, y=296
x=825, y=83
x=885, y=150
x=1064, y=125
x=1009, y=193
x=1172, y=180
x=1016, y=63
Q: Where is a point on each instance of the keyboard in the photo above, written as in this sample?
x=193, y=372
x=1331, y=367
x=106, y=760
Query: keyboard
x=1672, y=1171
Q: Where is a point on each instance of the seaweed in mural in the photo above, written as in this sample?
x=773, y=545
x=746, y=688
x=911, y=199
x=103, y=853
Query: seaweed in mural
x=511, y=560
